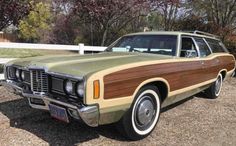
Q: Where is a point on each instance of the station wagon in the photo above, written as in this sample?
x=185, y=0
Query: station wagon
x=129, y=83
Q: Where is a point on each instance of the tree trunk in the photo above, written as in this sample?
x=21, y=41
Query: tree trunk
x=104, y=36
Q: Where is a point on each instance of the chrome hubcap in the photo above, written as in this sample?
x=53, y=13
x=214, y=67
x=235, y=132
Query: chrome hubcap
x=145, y=111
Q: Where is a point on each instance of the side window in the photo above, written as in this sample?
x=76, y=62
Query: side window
x=203, y=48
x=188, y=48
x=216, y=46
x=165, y=45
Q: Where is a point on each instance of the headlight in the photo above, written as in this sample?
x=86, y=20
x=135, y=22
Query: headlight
x=80, y=89
x=69, y=87
x=17, y=73
x=11, y=72
x=22, y=75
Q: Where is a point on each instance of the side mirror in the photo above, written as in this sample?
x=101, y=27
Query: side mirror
x=191, y=53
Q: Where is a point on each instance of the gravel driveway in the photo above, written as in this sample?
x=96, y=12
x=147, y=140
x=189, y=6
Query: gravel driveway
x=198, y=121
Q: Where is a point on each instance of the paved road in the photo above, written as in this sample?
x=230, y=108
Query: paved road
x=198, y=121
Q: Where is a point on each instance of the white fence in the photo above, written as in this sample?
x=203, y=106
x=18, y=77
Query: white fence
x=81, y=48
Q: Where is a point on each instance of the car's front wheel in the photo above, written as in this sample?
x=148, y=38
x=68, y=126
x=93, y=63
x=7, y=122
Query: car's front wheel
x=214, y=90
x=141, y=118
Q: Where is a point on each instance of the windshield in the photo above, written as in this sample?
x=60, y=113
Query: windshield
x=156, y=44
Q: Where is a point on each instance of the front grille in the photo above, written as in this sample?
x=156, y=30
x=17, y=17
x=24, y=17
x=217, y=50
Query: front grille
x=39, y=81
x=57, y=85
x=27, y=77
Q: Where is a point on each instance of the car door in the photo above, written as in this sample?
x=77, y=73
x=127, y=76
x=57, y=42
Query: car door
x=191, y=68
x=208, y=64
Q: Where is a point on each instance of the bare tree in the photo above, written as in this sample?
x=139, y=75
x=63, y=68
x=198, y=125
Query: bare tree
x=168, y=10
x=107, y=15
x=219, y=13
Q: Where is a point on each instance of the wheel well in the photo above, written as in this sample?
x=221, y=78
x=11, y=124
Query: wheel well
x=223, y=73
x=162, y=87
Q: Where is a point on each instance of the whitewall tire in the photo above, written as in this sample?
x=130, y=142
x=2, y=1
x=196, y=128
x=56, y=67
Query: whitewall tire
x=215, y=89
x=141, y=119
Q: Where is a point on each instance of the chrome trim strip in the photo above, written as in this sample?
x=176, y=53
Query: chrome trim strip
x=37, y=67
x=64, y=75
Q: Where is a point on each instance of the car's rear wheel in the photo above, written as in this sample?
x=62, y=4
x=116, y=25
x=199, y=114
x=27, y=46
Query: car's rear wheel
x=141, y=118
x=214, y=90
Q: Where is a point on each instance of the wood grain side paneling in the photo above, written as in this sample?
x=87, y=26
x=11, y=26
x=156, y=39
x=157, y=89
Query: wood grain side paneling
x=178, y=74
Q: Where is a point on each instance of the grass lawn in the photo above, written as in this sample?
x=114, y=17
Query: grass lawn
x=22, y=53
x=18, y=53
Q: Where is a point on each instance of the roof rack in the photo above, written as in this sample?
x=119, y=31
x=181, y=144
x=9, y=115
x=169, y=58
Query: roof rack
x=203, y=33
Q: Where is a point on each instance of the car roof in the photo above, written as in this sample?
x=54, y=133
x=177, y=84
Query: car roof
x=173, y=33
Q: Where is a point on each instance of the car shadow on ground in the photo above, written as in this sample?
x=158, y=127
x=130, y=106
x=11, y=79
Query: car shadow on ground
x=50, y=130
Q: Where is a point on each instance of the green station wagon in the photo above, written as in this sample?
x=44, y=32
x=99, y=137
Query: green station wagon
x=128, y=84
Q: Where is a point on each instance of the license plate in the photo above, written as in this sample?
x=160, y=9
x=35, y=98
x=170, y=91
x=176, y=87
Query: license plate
x=58, y=113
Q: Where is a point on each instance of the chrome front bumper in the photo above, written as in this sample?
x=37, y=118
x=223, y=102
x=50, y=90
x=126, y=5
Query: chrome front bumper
x=89, y=114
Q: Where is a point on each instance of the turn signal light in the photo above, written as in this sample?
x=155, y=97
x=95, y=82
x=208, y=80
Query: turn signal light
x=96, y=89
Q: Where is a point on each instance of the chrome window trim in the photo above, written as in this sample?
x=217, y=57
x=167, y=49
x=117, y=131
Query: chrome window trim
x=179, y=41
x=208, y=45
x=199, y=48
x=220, y=42
x=194, y=42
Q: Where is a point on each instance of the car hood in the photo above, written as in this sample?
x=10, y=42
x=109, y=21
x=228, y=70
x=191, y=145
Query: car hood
x=84, y=65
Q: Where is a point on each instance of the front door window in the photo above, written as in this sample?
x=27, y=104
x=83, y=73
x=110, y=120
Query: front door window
x=188, y=48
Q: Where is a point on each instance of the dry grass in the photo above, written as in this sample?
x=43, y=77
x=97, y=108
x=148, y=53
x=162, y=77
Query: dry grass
x=22, y=53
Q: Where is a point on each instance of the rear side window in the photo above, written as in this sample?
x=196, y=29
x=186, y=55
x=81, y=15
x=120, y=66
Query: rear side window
x=216, y=46
x=203, y=48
